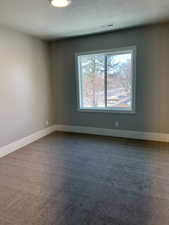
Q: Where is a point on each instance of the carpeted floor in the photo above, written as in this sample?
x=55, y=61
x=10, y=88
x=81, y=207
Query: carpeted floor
x=73, y=179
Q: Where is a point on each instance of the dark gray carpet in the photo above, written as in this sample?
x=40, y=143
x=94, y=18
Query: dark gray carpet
x=71, y=179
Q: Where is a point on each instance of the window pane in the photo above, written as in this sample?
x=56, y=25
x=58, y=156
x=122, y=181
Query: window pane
x=119, y=81
x=92, y=81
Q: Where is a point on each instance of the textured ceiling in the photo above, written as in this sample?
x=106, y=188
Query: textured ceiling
x=38, y=18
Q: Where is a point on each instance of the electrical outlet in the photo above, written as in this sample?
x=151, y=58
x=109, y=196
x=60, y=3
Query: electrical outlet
x=117, y=124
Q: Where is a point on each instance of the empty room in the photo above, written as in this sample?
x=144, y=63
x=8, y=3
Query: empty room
x=84, y=107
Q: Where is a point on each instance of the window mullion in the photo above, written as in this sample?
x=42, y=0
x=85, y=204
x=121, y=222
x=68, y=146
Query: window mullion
x=105, y=81
x=81, y=84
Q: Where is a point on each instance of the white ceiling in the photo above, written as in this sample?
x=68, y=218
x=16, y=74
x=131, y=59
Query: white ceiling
x=38, y=18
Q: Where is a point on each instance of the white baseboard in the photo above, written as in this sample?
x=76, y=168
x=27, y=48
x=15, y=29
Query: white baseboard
x=5, y=150
x=151, y=136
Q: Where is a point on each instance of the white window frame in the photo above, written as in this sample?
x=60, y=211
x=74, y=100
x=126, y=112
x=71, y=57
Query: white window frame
x=130, y=49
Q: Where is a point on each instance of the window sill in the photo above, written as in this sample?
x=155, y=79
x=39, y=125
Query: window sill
x=114, y=111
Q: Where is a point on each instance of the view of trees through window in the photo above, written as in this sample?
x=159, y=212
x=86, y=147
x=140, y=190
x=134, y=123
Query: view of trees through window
x=106, y=80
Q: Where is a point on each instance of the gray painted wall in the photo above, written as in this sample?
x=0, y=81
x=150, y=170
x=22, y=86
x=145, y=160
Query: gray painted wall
x=25, y=86
x=152, y=91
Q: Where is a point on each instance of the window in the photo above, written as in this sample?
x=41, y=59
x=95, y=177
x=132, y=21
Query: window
x=106, y=80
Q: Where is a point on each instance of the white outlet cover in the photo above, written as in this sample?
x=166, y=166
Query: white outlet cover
x=117, y=123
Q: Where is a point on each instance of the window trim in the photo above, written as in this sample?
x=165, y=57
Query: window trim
x=114, y=51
